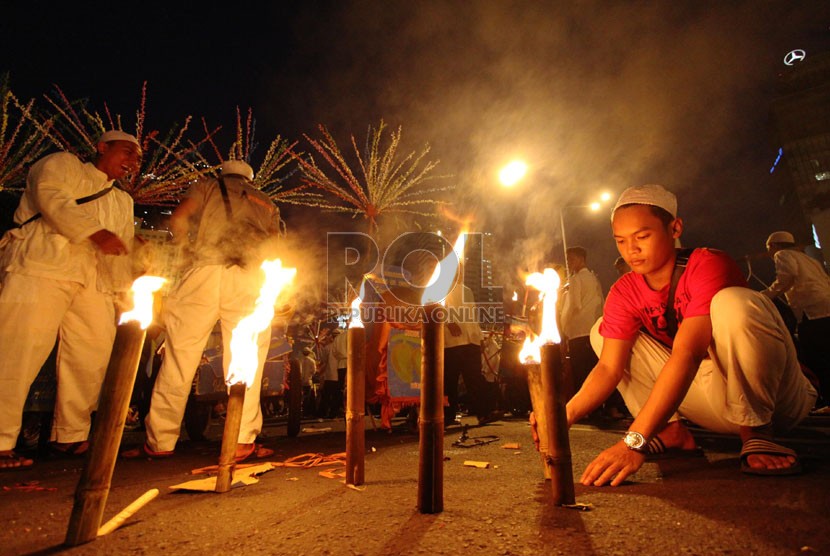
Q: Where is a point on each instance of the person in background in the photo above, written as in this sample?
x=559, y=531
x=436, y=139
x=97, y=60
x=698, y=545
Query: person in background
x=308, y=367
x=66, y=262
x=581, y=307
x=804, y=283
x=331, y=396
x=683, y=336
x=462, y=358
x=234, y=228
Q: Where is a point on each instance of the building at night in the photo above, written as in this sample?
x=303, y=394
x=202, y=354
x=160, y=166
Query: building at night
x=801, y=121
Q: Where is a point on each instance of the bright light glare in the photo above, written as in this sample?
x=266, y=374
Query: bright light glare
x=605, y=196
x=595, y=206
x=511, y=174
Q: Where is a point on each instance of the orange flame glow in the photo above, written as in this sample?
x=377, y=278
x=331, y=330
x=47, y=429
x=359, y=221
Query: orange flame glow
x=244, y=347
x=443, y=277
x=548, y=284
x=142, y=311
x=354, y=317
x=515, y=296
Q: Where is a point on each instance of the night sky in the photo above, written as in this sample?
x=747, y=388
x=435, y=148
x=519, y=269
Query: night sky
x=594, y=95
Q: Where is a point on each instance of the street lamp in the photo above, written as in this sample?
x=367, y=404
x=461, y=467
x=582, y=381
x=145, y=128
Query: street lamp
x=594, y=206
x=512, y=173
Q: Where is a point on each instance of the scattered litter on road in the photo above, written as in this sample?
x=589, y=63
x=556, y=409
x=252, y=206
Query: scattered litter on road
x=478, y=464
x=30, y=486
x=242, y=476
x=333, y=474
x=511, y=446
x=579, y=506
x=467, y=441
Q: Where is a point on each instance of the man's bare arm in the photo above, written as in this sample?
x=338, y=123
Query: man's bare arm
x=690, y=347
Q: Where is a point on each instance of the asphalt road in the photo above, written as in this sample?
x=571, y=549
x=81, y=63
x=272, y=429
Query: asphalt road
x=698, y=505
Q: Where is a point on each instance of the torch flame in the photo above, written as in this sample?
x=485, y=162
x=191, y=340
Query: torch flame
x=143, y=288
x=443, y=277
x=548, y=284
x=515, y=296
x=354, y=317
x=244, y=347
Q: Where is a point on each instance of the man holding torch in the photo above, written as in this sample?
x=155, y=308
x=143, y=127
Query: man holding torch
x=711, y=350
x=64, y=260
x=234, y=227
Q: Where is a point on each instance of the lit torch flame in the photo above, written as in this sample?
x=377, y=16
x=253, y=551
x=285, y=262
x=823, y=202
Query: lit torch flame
x=244, y=347
x=354, y=317
x=443, y=277
x=548, y=284
x=142, y=311
x=515, y=296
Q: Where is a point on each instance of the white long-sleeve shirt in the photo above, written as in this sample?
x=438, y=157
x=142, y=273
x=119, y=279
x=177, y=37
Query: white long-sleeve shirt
x=581, y=304
x=56, y=245
x=803, y=282
x=462, y=297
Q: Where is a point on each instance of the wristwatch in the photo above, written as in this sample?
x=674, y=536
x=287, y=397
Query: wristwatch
x=634, y=441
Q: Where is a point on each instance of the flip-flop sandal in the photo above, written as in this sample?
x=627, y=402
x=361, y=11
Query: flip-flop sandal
x=656, y=450
x=13, y=462
x=71, y=449
x=258, y=451
x=145, y=451
x=764, y=446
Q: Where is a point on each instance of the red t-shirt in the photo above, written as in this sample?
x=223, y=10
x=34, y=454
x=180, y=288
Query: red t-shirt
x=632, y=304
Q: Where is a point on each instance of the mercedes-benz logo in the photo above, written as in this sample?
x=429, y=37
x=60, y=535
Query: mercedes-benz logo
x=794, y=56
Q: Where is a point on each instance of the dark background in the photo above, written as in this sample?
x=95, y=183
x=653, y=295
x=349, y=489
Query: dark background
x=594, y=95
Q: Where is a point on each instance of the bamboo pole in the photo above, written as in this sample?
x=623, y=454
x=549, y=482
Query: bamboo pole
x=559, y=456
x=540, y=411
x=127, y=512
x=230, y=437
x=431, y=418
x=356, y=406
x=105, y=438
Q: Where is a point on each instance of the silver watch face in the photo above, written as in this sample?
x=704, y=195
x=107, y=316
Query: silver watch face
x=634, y=440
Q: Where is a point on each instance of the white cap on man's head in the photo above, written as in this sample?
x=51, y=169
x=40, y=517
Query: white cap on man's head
x=238, y=168
x=780, y=237
x=118, y=135
x=651, y=194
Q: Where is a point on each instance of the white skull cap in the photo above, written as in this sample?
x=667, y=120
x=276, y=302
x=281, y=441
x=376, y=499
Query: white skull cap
x=780, y=237
x=651, y=194
x=118, y=135
x=237, y=167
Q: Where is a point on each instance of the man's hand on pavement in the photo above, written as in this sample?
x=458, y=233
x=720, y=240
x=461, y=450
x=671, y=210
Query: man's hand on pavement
x=614, y=464
x=108, y=243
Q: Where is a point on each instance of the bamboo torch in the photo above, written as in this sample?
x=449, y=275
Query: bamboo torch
x=431, y=416
x=559, y=448
x=548, y=385
x=540, y=412
x=356, y=398
x=94, y=485
x=244, y=363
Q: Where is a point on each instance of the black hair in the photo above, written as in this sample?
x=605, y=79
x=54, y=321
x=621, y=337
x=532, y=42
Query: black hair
x=578, y=251
x=662, y=214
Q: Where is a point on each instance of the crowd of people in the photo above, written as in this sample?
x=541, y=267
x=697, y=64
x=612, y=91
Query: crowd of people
x=679, y=338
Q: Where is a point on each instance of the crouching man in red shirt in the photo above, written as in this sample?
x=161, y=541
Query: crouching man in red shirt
x=683, y=336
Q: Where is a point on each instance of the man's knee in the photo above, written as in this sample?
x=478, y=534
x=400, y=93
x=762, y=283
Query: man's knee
x=738, y=308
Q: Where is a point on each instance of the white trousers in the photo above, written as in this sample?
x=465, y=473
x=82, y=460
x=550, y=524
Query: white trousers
x=751, y=378
x=34, y=311
x=205, y=295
